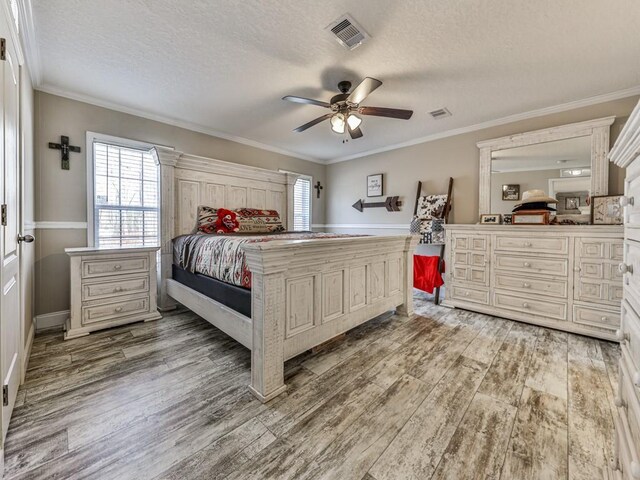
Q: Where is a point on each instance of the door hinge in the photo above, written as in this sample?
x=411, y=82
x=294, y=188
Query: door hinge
x=3, y=215
x=3, y=49
x=5, y=395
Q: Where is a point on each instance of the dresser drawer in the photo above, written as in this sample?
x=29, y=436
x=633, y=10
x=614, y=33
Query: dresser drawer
x=114, y=286
x=469, y=294
x=554, y=245
x=117, y=266
x=532, y=306
x=587, y=248
x=554, y=288
x=595, y=317
x=598, y=292
x=524, y=265
x=629, y=393
x=632, y=189
x=631, y=279
x=630, y=333
x=98, y=313
x=475, y=259
x=627, y=461
x=478, y=243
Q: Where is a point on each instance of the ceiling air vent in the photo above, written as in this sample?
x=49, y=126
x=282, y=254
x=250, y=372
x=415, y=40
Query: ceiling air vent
x=347, y=32
x=440, y=113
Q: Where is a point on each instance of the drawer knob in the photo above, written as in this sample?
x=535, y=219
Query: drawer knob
x=118, y=309
x=626, y=201
x=527, y=244
x=118, y=289
x=624, y=268
x=635, y=469
x=526, y=285
x=621, y=336
x=527, y=264
x=525, y=305
x=603, y=319
x=636, y=379
x=466, y=294
x=117, y=267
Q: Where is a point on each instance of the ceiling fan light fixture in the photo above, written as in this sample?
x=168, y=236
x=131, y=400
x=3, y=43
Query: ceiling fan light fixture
x=354, y=121
x=338, y=123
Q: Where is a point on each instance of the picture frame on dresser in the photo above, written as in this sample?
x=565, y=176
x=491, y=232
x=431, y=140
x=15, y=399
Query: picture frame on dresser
x=606, y=210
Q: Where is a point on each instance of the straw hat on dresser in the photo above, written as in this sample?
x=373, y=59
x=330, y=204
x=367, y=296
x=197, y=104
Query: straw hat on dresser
x=535, y=200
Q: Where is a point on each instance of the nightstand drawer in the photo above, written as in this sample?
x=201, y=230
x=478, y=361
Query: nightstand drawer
x=113, y=287
x=98, y=313
x=116, y=266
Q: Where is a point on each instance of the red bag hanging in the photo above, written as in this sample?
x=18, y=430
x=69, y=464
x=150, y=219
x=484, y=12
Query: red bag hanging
x=426, y=276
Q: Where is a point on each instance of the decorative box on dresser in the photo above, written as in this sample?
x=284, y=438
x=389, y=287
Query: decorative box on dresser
x=563, y=277
x=626, y=154
x=111, y=287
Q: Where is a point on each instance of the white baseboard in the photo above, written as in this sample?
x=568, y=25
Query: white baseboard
x=26, y=352
x=51, y=320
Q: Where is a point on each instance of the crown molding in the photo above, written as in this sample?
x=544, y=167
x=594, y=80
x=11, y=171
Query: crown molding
x=563, y=107
x=195, y=127
x=30, y=45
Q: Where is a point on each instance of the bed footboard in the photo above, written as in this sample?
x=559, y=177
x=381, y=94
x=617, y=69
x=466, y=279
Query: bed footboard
x=306, y=292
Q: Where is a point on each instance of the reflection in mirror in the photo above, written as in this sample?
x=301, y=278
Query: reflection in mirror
x=562, y=169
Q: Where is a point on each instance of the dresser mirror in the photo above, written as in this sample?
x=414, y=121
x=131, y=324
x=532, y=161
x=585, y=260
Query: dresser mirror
x=568, y=163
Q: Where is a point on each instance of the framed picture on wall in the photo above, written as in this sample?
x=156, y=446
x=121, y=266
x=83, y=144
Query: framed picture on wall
x=374, y=185
x=511, y=192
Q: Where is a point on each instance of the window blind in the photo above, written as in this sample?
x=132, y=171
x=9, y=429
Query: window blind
x=302, y=204
x=126, y=207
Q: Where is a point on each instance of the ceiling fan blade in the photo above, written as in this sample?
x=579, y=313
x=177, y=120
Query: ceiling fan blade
x=386, y=112
x=355, y=132
x=306, y=101
x=363, y=90
x=302, y=128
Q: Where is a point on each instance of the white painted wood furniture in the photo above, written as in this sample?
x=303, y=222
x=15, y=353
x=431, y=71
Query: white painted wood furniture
x=111, y=287
x=304, y=292
x=563, y=277
x=597, y=129
x=626, y=154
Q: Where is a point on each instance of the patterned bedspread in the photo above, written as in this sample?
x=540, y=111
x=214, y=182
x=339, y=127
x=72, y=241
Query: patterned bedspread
x=222, y=256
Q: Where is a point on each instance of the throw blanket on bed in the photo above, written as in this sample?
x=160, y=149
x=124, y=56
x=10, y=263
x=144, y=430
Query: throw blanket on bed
x=222, y=257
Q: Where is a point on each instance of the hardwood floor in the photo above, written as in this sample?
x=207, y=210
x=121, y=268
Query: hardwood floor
x=448, y=394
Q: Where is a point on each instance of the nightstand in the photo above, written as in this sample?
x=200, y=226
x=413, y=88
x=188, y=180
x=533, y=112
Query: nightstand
x=111, y=287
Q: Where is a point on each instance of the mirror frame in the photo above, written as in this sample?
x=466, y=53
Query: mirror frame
x=597, y=129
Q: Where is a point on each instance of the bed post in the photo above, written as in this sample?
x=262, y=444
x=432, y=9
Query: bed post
x=406, y=309
x=167, y=158
x=268, y=318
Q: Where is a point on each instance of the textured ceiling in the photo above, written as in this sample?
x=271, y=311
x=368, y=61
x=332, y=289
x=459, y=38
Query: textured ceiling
x=224, y=65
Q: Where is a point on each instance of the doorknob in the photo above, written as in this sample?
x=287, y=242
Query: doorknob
x=26, y=238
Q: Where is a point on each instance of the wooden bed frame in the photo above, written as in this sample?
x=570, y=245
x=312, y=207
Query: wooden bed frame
x=304, y=292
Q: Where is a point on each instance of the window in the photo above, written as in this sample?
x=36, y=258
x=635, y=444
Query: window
x=125, y=195
x=302, y=204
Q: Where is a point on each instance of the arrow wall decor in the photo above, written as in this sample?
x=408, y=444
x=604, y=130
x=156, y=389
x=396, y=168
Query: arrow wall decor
x=392, y=204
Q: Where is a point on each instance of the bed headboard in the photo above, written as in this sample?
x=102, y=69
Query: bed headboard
x=187, y=181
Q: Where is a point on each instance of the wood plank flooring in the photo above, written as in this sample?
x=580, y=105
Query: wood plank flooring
x=447, y=394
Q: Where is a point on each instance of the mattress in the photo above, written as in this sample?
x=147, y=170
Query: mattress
x=236, y=298
x=222, y=257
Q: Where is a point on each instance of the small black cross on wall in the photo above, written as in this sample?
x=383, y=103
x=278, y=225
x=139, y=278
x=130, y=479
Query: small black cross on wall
x=318, y=187
x=64, y=148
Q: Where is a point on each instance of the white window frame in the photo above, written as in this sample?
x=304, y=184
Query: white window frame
x=291, y=202
x=122, y=142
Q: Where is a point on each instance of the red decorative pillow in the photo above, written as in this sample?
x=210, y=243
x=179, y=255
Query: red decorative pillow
x=227, y=221
x=253, y=220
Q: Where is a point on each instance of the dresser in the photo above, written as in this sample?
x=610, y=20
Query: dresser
x=111, y=287
x=563, y=277
x=626, y=153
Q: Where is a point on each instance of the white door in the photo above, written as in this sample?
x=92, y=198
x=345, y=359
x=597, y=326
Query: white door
x=10, y=311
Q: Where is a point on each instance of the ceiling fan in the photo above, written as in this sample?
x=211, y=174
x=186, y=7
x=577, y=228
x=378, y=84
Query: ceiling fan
x=345, y=108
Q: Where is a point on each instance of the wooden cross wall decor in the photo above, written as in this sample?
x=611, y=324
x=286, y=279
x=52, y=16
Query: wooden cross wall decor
x=318, y=187
x=64, y=148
